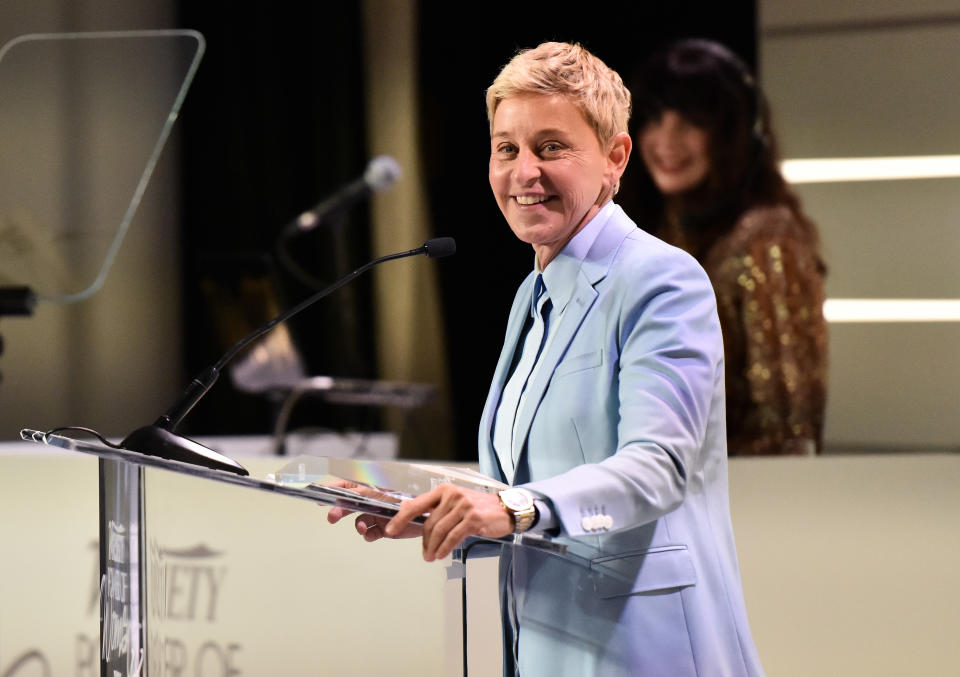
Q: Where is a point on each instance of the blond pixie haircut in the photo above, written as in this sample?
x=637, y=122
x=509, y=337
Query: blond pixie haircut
x=571, y=71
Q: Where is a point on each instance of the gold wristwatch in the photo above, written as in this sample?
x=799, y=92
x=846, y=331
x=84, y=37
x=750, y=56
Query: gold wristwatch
x=519, y=503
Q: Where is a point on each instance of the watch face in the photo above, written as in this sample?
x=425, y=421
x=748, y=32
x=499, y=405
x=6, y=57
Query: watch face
x=517, y=499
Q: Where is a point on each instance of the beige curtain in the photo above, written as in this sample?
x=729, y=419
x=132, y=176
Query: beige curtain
x=410, y=341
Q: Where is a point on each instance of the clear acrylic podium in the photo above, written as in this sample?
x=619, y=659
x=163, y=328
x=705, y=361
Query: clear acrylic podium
x=59, y=250
x=131, y=575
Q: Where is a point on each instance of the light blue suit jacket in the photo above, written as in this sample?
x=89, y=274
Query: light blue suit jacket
x=624, y=434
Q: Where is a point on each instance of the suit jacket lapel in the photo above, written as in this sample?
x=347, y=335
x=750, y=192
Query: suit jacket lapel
x=592, y=270
x=518, y=315
x=561, y=334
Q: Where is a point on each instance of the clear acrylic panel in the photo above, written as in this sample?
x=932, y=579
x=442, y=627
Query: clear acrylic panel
x=83, y=120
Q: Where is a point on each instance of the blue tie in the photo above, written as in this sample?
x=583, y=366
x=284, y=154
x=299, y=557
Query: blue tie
x=504, y=428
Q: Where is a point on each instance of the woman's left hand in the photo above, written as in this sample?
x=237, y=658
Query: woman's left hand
x=371, y=527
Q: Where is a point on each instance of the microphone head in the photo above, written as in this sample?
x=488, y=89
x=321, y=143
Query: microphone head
x=439, y=247
x=382, y=172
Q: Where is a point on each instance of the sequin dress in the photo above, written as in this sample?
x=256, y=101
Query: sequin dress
x=770, y=299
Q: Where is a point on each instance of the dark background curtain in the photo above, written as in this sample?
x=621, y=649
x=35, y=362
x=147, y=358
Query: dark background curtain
x=274, y=121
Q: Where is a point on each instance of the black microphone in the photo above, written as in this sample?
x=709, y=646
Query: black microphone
x=160, y=440
x=381, y=173
x=439, y=247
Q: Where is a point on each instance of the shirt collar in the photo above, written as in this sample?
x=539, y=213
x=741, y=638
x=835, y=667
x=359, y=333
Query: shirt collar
x=560, y=277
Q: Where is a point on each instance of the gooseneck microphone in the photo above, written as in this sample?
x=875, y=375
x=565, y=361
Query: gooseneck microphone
x=160, y=440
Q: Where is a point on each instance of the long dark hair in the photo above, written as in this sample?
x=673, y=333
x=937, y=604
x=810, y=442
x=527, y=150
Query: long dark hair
x=711, y=87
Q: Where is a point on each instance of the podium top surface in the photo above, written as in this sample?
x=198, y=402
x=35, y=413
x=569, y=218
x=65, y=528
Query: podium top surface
x=304, y=477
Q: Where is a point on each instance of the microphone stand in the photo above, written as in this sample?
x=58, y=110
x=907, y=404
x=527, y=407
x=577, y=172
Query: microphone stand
x=160, y=439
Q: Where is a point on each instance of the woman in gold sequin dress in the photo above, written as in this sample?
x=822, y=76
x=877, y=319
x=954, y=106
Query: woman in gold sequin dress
x=710, y=184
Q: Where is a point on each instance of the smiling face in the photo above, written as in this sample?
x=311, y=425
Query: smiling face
x=676, y=152
x=548, y=170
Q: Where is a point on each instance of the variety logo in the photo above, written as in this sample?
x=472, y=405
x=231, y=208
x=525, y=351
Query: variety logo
x=184, y=586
